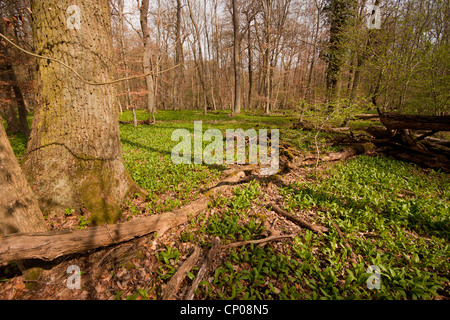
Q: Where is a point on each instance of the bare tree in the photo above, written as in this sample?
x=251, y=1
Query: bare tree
x=236, y=57
x=147, y=58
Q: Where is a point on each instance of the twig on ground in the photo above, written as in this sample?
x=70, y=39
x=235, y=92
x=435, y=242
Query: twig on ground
x=268, y=239
x=298, y=221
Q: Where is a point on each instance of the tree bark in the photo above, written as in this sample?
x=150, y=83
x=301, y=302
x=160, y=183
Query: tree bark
x=146, y=61
x=236, y=58
x=8, y=111
x=8, y=75
x=19, y=209
x=250, y=61
x=124, y=60
x=23, y=112
x=267, y=8
x=201, y=68
x=178, y=54
x=73, y=157
x=415, y=122
x=313, y=60
x=53, y=244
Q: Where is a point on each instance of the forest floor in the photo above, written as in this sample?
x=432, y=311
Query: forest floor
x=378, y=211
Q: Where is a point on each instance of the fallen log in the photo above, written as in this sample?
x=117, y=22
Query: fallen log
x=54, y=244
x=405, y=146
x=378, y=132
x=148, y=122
x=424, y=159
x=311, y=159
x=415, y=122
x=368, y=116
x=442, y=142
x=339, y=129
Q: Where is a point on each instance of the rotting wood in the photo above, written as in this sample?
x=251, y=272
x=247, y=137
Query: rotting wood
x=415, y=122
x=203, y=272
x=53, y=244
x=405, y=146
x=170, y=290
x=311, y=159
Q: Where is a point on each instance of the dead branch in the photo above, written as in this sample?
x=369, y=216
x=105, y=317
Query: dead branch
x=172, y=287
x=312, y=159
x=415, y=122
x=204, y=269
x=268, y=239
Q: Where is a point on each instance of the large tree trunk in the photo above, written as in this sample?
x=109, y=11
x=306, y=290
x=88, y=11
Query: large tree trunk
x=73, y=157
x=19, y=209
x=340, y=13
x=53, y=244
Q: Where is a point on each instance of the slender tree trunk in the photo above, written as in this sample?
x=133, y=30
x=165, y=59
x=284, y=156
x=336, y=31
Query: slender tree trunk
x=201, y=69
x=178, y=53
x=210, y=77
x=23, y=112
x=146, y=61
x=267, y=6
x=250, y=62
x=9, y=111
x=9, y=76
x=313, y=60
x=217, y=55
x=73, y=157
x=236, y=59
x=124, y=61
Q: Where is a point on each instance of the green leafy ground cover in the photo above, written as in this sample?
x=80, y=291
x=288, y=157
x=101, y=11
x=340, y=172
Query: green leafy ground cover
x=392, y=214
